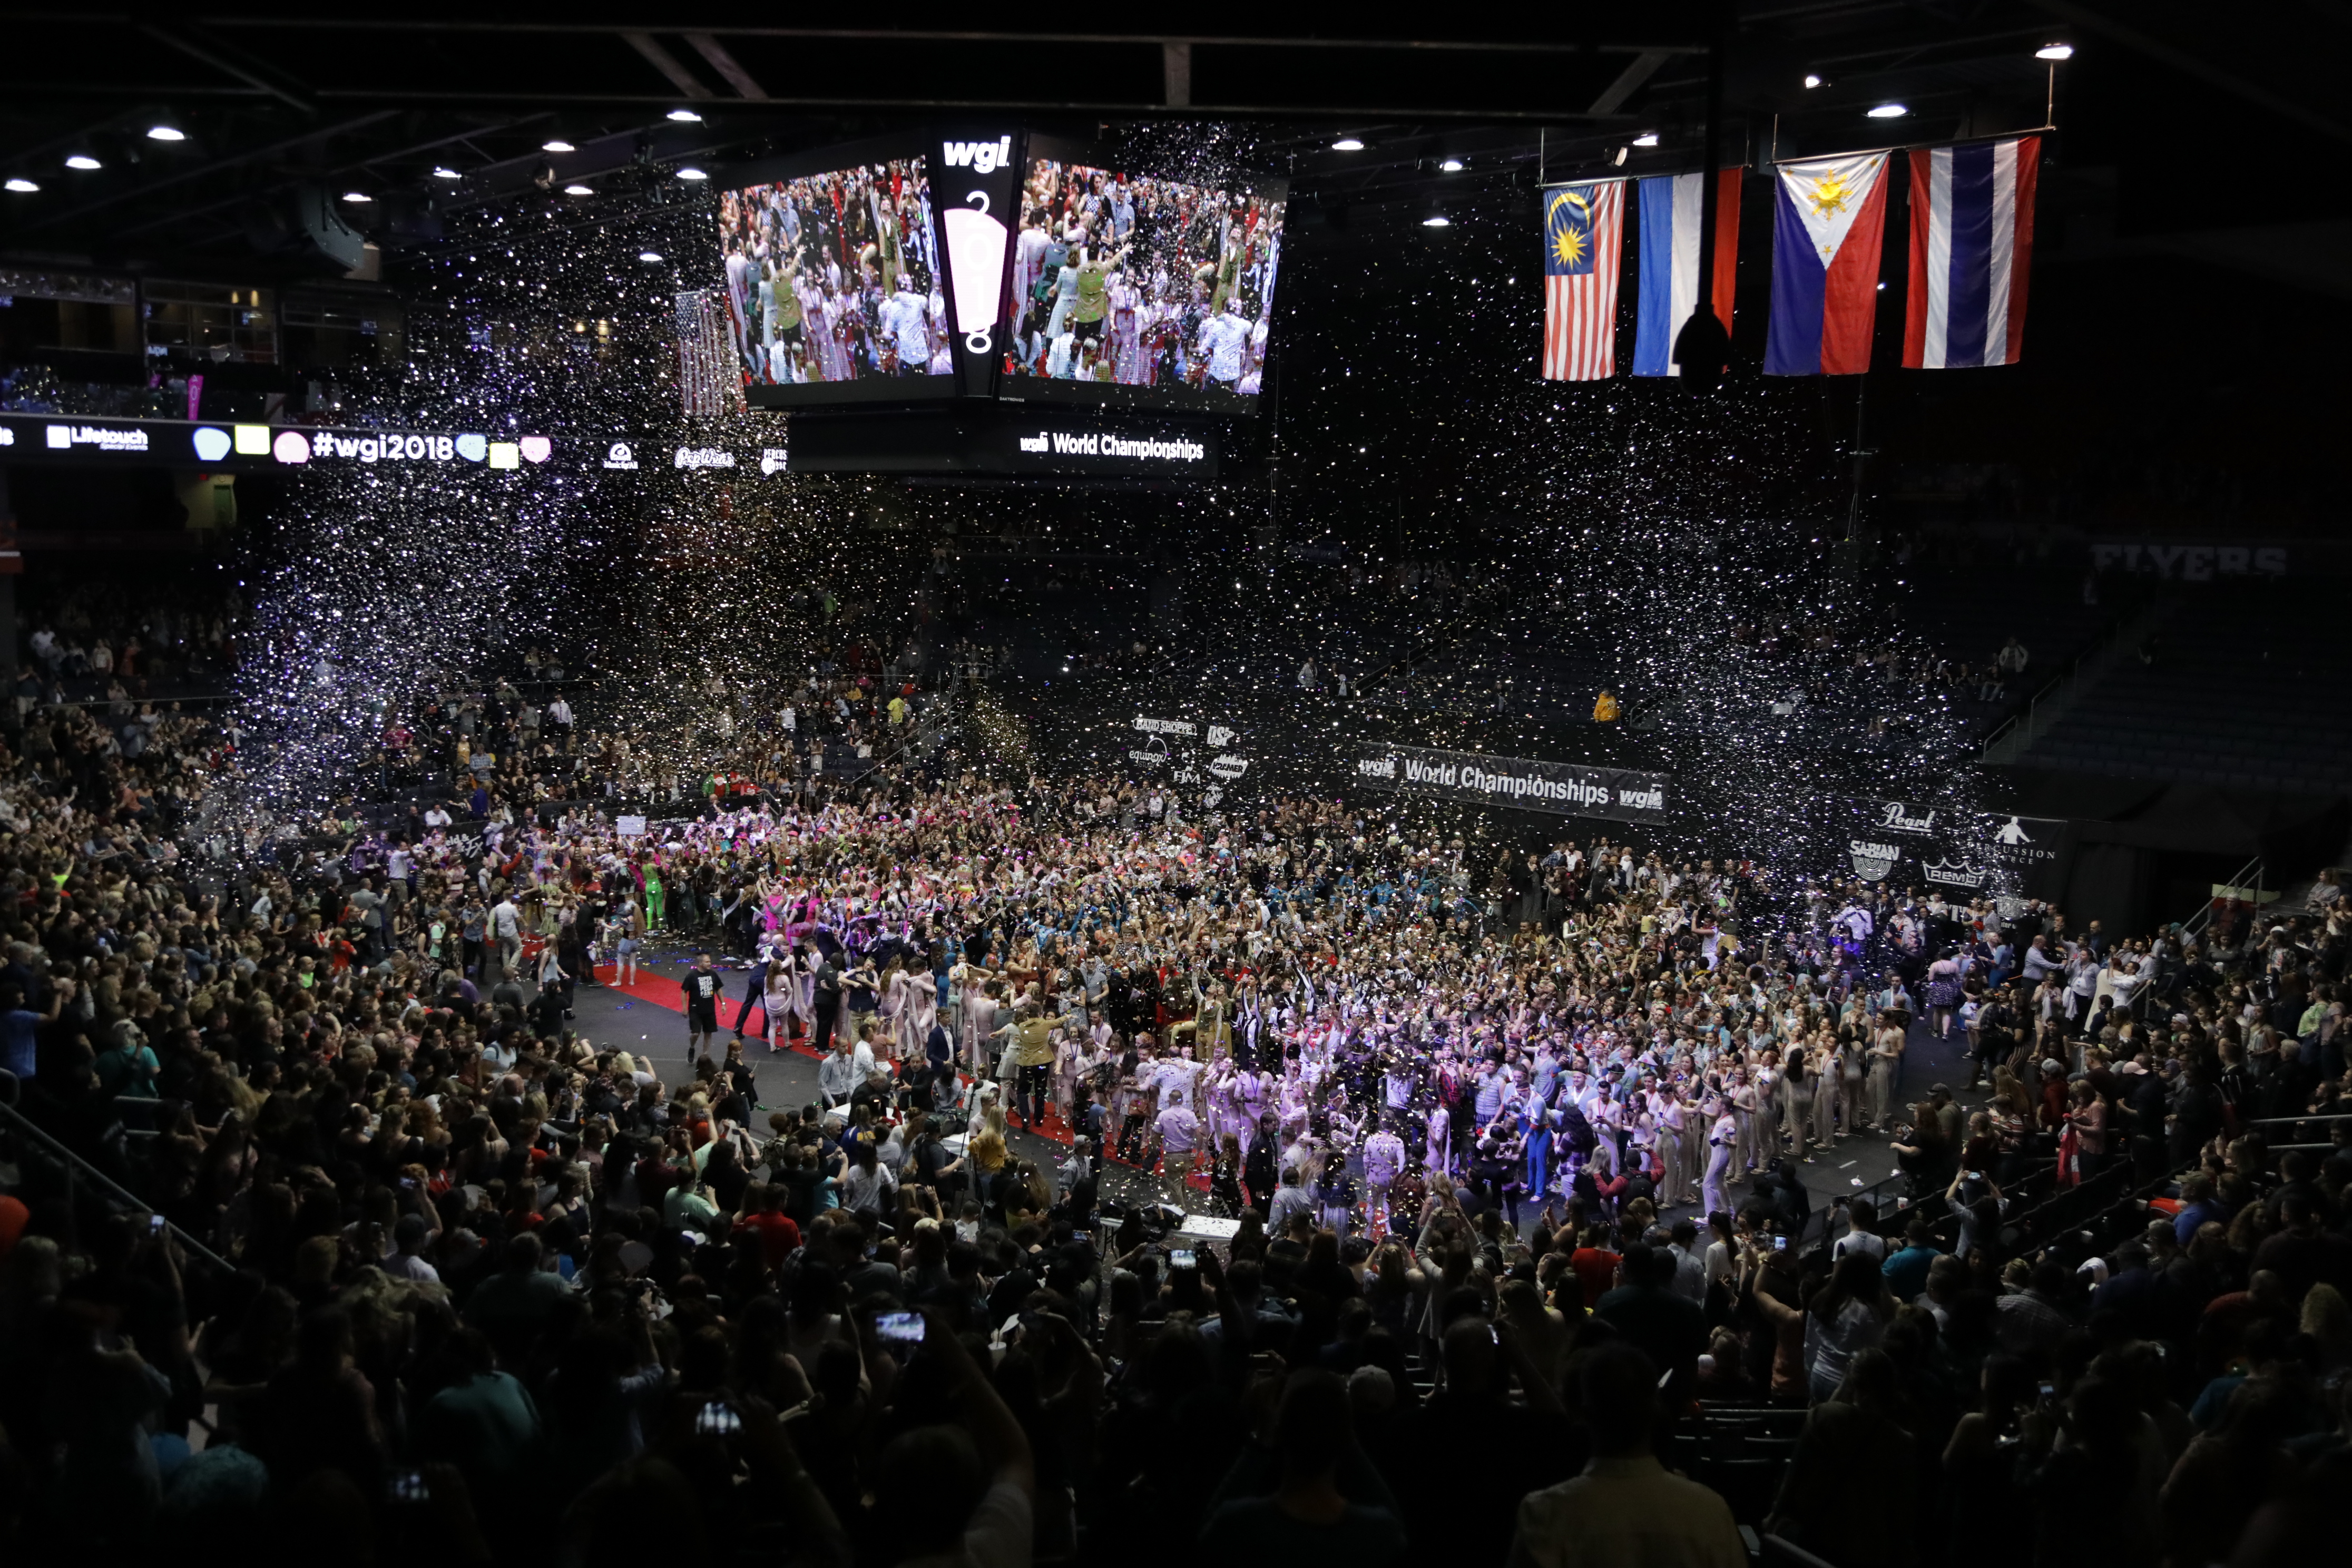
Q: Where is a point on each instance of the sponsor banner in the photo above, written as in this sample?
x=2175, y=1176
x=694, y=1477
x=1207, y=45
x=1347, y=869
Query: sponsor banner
x=229, y=446
x=1190, y=754
x=1900, y=816
x=1564, y=789
x=1962, y=852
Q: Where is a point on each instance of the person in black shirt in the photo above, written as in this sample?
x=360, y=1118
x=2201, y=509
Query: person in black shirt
x=701, y=986
x=828, y=1000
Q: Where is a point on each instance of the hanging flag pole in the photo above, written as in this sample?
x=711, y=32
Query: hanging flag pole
x=1704, y=345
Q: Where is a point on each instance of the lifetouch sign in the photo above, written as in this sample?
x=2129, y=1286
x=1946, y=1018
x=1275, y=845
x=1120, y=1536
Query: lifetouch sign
x=1564, y=789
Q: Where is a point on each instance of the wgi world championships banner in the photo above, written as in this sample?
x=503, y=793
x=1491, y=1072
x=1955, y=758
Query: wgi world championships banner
x=1564, y=789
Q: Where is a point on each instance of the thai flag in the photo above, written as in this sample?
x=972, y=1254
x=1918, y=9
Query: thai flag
x=1971, y=249
x=1670, y=226
x=1827, y=223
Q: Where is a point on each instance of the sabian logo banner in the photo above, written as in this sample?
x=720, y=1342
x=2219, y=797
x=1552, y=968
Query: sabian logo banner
x=1564, y=789
x=1871, y=861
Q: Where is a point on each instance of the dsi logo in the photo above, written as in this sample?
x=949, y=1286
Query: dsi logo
x=980, y=157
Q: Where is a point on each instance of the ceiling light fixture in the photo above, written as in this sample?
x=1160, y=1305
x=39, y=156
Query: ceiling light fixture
x=2054, y=52
x=1646, y=139
x=83, y=161
x=1347, y=145
x=166, y=133
x=442, y=173
x=691, y=173
x=649, y=256
x=361, y=197
x=1452, y=166
x=1439, y=221
x=21, y=184
x=1889, y=111
x=685, y=117
x=1812, y=80
x=578, y=191
x=558, y=145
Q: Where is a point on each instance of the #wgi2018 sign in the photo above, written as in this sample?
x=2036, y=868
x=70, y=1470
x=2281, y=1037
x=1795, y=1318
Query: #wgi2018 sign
x=1564, y=789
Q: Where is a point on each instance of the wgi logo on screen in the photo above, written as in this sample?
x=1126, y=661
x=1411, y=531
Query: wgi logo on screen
x=980, y=157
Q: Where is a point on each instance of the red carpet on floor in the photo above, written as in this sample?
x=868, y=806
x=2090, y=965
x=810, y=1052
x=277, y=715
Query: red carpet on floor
x=660, y=984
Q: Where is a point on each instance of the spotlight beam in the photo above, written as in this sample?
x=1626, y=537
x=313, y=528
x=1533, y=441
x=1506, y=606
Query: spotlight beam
x=716, y=55
x=668, y=64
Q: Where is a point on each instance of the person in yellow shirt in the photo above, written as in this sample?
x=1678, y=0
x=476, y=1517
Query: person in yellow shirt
x=1606, y=709
x=1033, y=1054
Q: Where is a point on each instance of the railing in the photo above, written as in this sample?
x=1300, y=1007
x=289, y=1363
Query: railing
x=2012, y=738
x=2249, y=875
x=74, y=1166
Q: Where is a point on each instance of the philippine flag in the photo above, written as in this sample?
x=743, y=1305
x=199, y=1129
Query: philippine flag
x=1971, y=249
x=1825, y=232
x=1670, y=226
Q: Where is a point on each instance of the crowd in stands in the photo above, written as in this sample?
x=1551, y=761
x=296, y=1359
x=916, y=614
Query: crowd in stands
x=119, y=644
x=371, y=1252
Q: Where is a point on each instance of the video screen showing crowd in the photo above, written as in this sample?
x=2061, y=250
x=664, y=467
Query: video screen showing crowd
x=1141, y=281
x=834, y=277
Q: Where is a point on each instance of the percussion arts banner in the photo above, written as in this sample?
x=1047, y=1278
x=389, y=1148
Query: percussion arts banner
x=1564, y=789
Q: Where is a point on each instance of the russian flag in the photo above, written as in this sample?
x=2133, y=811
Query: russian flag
x=1971, y=249
x=1827, y=224
x=1670, y=226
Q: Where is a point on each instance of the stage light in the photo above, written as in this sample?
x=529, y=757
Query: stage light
x=1347, y=145
x=1646, y=139
x=558, y=145
x=166, y=133
x=2054, y=52
x=685, y=117
x=21, y=184
x=1812, y=80
x=1438, y=221
x=578, y=191
x=691, y=173
x=358, y=198
x=1889, y=111
x=83, y=161
x=649, y=256
x=1452, y=166
x=440, y=173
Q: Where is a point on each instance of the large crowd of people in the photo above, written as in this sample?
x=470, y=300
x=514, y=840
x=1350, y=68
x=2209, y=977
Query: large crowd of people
x=1509, y=1255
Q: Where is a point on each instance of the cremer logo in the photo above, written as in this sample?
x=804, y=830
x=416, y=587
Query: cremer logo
x=980, y=157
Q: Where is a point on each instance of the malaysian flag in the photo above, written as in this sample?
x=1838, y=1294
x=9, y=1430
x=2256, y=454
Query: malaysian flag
x=1583, y=229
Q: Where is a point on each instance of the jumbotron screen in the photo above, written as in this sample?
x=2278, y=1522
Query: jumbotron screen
x=1140, y=289
x=833, y=284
